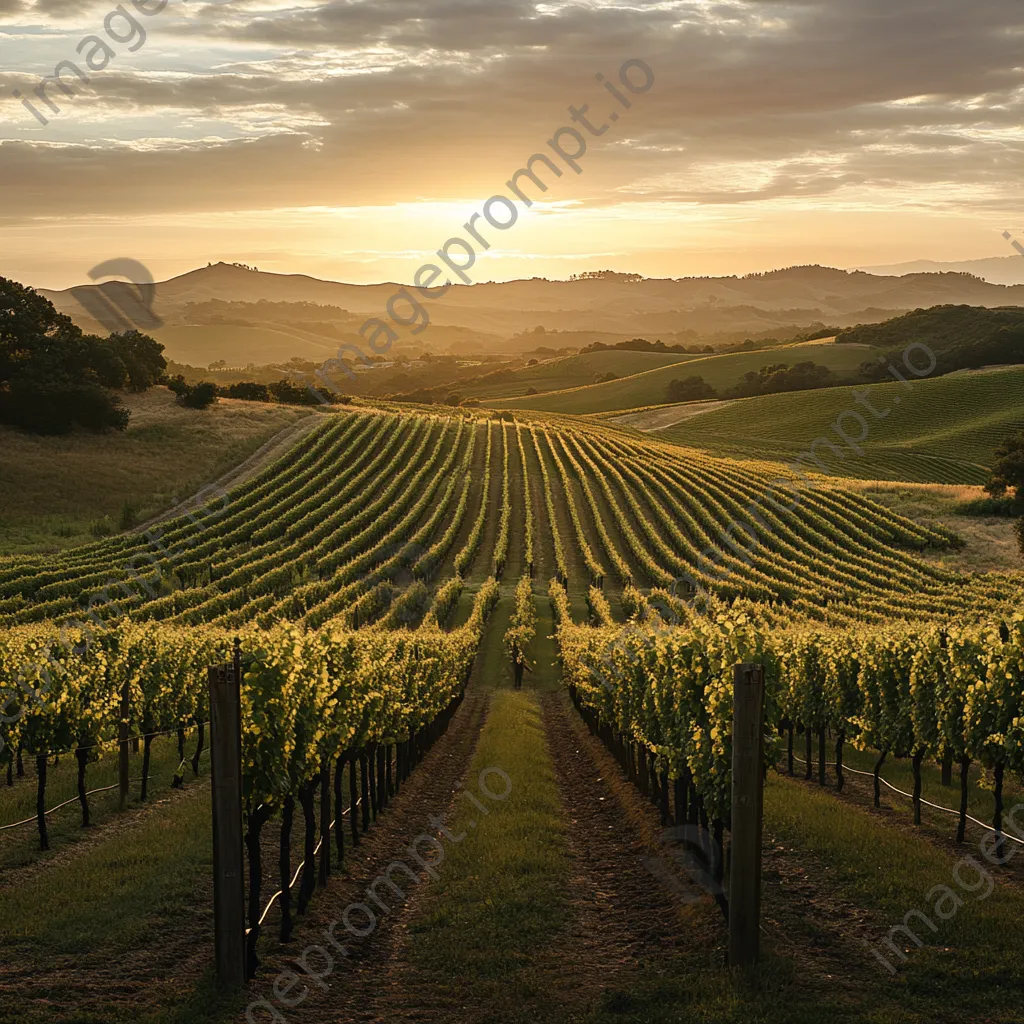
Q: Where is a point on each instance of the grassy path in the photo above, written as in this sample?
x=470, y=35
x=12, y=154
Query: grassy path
x=472, y=945
x=540, y=912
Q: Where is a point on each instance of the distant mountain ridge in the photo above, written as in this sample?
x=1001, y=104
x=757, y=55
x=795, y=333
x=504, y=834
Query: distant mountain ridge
x=793, y=297
x=1008, y=270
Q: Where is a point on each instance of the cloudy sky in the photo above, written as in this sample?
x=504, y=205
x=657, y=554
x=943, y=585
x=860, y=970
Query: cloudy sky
x=351, y=138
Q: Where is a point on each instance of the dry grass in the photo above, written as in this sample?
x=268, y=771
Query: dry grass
x=991, y=545
x=54, y=489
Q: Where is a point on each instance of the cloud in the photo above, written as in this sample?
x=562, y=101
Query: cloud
x=381, y=101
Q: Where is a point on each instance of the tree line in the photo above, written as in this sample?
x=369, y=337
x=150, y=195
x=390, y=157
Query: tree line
x=54, y=377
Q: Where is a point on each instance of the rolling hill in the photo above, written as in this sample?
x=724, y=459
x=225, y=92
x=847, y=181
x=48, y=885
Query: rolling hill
x=382, y=583
x=721, y=372
x=200, y=345
x=781, y=301
x=943, y=430
x=370, y=500
x=569, y=372
x=54, y=489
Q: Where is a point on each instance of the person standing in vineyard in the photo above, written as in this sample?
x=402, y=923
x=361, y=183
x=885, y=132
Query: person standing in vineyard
x=521, y=629
x=519, y=664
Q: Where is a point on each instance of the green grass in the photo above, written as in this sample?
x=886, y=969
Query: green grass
x=864, y=875
x=971, y=968
x=52, y=489
x=721, y=372
x=20, y=846
x=942, y=430
x=501, y=897
x=108, y=896
x=899, y=772
x=572, y=372
x=130, y=899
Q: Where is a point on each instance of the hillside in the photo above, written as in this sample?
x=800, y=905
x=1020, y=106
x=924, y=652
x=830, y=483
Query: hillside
x=301, y=540
x=960, y=336
x=942, y=430
x=569, y=372
x=54, y=489
x=1007, y=270
x=200, y=345
x=721, y=372
x=780, y=302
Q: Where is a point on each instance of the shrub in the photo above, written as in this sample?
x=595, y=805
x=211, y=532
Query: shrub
x=248, y=391
x=1008, y=479
x=200, y=396
x=289, y=393
x=689, y=389
x=1004, y=506
x=101, y=527
x=129, y=516
x=178, y=385
x=42, y=407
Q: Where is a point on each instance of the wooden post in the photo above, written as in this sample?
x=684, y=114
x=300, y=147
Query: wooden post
x=228, y=858
x=123, y=752
x=747, y=802
x=44, y=839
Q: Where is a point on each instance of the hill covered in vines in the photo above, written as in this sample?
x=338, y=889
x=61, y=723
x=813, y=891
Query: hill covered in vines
x=384, y=517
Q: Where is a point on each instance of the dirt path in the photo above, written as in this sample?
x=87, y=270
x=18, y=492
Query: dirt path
x=662, y=418
x=359, y=982
x=633, y=910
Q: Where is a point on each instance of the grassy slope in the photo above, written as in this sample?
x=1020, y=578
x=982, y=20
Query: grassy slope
x=990, y=542
x=200, y=345
x=20, y=846
x=574, y=372
x=648, y=388
x=53, y=488
x=106, y=906
x=943, y=430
